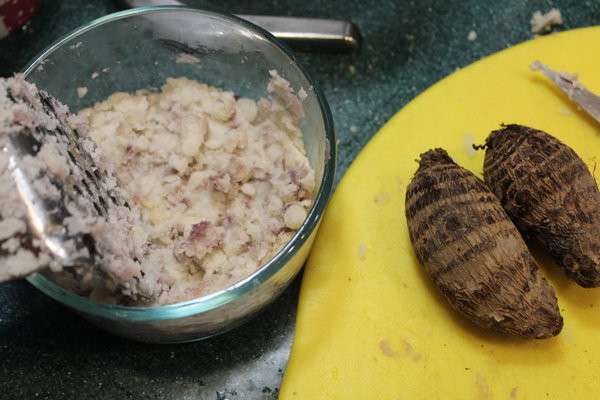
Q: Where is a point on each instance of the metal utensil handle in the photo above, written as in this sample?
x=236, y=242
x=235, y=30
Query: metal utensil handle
x=310, y=34
x=306, y=34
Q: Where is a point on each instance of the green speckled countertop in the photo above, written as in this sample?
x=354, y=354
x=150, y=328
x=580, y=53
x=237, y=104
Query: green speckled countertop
x=47, y=352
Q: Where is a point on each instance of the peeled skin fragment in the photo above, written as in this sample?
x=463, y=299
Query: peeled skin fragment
x=473, y=252
x=551, y=196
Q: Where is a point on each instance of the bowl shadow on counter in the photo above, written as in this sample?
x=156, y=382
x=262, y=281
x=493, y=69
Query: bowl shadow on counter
x=501, y=348
x=68, y=337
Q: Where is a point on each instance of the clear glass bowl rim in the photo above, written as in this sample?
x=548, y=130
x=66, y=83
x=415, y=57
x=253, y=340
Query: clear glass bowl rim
x=227, y=295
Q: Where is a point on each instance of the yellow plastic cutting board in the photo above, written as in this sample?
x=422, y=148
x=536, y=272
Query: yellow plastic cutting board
x=370, y=323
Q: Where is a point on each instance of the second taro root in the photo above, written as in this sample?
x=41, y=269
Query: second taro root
x=551, y=196
x=473, y=252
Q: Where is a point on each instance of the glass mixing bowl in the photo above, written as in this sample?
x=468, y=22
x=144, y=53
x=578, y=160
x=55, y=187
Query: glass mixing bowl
x=140, y=49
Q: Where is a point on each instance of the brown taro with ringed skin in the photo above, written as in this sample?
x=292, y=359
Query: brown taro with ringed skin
x=551, y=196
x=474, y=254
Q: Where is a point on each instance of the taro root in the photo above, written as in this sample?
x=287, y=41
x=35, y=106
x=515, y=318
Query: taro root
x=550, y=195
x=473, y=252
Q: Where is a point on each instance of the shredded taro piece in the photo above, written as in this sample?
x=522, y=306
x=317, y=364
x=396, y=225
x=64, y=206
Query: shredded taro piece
x=569, y=84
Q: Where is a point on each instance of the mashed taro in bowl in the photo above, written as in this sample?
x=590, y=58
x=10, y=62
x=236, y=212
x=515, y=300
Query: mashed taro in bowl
x=219, y=184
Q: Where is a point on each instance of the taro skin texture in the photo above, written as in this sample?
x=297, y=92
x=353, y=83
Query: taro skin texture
x=473, y=252
x=550, y=195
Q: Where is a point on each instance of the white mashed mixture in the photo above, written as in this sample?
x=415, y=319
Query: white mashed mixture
x=217, y=185
x=222, y=181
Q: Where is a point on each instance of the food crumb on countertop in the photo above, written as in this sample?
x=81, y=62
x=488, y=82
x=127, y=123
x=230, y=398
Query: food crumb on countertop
x=353, y=128
x=472, y=36
x=544, y=22
x=82, y=91
x=186, y=58
x=95, y=74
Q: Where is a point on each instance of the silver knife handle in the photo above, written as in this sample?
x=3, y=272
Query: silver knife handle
x=307, y=34
x=310, y=34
